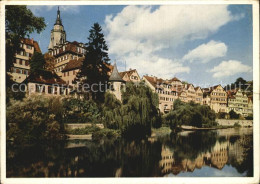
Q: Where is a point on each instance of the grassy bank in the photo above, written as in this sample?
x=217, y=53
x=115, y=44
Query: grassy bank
x=96, y=132
x=161, y=131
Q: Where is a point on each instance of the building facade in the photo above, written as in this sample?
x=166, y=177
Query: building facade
x=167, y=93
x=47, y=83
x=216, y=98
x=130, y=76
x=21, y=68
x=238, y=102
x=199, y=95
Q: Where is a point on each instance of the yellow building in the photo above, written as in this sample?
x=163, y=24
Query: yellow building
x=238, y=102
x=216, y=98
x=166, y=91
x=21, y=67
x=71, y=69
x=190, y=91
x=199, y=95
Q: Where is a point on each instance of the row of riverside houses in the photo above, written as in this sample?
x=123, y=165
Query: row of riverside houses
x=216, y=97
x=67, y=60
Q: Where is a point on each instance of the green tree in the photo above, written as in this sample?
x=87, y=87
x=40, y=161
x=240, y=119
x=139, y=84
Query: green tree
x=39, y=119
x=137, y=113
x=19, y=23
x=37, y=62
x=95, y=66
x=189, y=114
x=233, y=115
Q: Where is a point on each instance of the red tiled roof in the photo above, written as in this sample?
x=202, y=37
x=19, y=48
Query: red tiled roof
x=129, y=73
x=31, y=42
x=74, y=64
x=69, y=47
x=197, y=88
x=36, y=46
x=151, y=80
x=175, y=79
x=44, y=77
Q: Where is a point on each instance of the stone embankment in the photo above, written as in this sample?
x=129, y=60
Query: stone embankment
x=231, y=122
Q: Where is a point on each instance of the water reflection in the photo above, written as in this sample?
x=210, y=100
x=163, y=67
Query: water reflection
x=171, y=155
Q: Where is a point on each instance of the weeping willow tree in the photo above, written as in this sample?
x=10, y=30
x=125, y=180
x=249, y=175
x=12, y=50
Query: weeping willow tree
x=137, y=113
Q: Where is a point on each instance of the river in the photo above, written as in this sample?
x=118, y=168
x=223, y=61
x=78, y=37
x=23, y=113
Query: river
x=218, y=153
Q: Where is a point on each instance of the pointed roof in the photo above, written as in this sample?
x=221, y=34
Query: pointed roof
x=58, y=20
x=115, y=77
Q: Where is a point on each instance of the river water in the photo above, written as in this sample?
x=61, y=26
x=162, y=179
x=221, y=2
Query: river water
x=218, y=153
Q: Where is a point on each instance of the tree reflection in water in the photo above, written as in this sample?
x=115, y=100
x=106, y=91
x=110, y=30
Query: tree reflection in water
x=160, y=156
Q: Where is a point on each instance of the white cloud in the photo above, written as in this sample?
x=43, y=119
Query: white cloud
x=229, y=68
x=138, y=32
x=37, y=9
x=206, y=52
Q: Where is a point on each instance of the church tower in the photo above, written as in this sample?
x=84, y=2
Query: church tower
x=58, y=35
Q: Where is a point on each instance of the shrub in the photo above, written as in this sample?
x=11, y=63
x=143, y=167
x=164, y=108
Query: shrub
x=105, y=133
x=80, y=111
x=189, y=114
x=233, y=115
x=35, y=119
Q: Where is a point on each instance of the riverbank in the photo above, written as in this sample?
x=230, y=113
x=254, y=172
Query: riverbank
x=232, y=122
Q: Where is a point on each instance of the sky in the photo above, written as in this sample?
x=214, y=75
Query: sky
x=202, y=44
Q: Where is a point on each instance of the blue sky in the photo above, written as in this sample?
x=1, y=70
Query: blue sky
x=202, y=44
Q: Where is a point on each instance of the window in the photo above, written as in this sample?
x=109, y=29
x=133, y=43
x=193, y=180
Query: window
x=17, y=61
x=74, y=72
x=112, y=87
x=27, y=54
x=68, y=73
x=28, y=46
x=50, y=89
x=26, y=63
x=40, y=88
x=21, y=45
x=21, y=71
x=64, y=74
x=62, y=90
x=21, y=53
x=66, y=57
x=63, y=48
x=55, y=90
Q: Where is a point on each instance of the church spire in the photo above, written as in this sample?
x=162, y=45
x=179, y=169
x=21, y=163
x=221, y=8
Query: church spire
x=58, y=20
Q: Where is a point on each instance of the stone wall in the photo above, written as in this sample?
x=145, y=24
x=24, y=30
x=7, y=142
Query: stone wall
x=231, y=122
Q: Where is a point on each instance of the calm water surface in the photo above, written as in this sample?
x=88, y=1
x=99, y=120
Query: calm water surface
x=226, y=152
